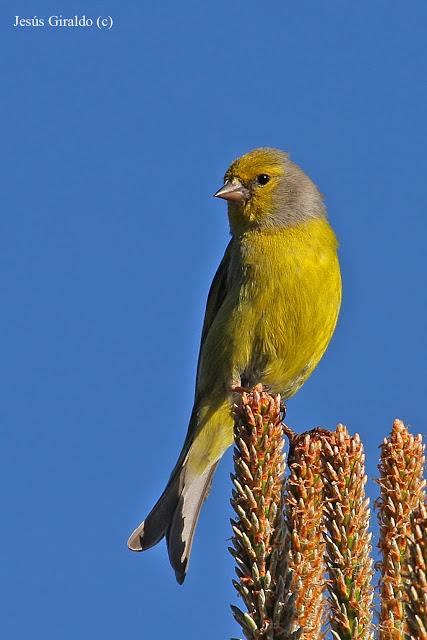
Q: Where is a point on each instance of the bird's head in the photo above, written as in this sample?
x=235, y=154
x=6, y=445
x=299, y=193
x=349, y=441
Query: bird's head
x=264, y=189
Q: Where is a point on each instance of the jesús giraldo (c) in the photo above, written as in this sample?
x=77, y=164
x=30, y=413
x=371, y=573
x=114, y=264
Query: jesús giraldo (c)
x=54, y=21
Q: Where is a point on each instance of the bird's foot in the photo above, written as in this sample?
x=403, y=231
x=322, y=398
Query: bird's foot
x=242, y=388
x=237, y=388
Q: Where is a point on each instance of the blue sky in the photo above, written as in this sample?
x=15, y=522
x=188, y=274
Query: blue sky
x=113, y=142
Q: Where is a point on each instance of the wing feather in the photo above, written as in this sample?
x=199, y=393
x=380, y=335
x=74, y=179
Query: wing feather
x=216, y=296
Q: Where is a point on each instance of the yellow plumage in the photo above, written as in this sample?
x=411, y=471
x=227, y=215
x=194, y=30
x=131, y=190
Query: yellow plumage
x=271, y=311
x=275, y=326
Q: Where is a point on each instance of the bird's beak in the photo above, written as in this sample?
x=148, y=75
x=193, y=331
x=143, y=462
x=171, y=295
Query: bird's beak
x=233, y=191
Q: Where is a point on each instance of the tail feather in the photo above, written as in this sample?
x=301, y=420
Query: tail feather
x=180, y=534
x=155, y=525
x=175, y=516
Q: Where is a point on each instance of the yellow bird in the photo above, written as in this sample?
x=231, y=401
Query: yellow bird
x=271, y=312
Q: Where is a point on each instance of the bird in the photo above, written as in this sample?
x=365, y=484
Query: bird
x=271, y=311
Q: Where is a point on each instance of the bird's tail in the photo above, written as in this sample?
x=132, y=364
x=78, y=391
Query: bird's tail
x=175, y=516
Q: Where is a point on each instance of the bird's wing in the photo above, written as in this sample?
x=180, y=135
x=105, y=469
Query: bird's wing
x=216, y=296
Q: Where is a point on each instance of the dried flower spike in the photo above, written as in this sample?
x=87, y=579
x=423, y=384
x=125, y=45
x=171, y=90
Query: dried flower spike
x=416, y=576
x=258, y=529
x=402, y=486
x=348, y=541
x=304, y=519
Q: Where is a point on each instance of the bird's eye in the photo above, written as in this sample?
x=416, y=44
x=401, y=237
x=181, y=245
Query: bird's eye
x=262, y=179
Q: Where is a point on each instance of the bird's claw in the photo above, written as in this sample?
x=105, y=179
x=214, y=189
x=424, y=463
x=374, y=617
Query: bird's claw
x=237, y=388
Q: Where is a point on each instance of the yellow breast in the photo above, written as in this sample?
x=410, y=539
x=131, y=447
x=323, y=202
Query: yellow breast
x=281, y=309
x=289, y=299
